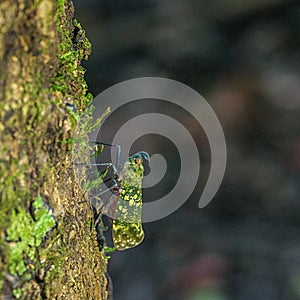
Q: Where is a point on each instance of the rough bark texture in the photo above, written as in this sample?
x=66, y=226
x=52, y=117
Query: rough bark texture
x=41, y=47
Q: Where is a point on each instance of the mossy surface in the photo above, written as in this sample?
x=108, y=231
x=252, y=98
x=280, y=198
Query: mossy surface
x=41, y=48
x=25, y=233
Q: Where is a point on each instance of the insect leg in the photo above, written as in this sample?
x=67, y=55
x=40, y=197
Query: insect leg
x=111, y=145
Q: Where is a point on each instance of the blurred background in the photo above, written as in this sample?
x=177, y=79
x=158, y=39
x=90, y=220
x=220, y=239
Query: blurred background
x=243, y=57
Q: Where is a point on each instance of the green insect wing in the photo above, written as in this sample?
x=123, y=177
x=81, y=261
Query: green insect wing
x=127, y=226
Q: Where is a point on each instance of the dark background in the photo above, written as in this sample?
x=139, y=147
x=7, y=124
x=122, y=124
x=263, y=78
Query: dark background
x=243, y=57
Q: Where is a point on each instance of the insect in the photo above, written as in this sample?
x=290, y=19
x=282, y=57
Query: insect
x=127, y=226
x=125, y=202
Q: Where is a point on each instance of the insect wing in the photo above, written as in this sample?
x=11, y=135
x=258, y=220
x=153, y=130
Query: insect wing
x=127, y=227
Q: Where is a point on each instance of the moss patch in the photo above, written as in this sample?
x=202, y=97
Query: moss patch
x=41, y=48
x=68, y=82
x=25, y=233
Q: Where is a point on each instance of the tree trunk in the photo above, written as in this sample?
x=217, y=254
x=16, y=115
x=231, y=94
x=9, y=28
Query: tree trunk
x=48, y=247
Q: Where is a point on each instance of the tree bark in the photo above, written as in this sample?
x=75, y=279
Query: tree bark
x=48, y=247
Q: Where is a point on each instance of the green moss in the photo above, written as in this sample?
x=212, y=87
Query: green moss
x=17, y=293
x=43, y=72
x=25, y=234
x=73, y=47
